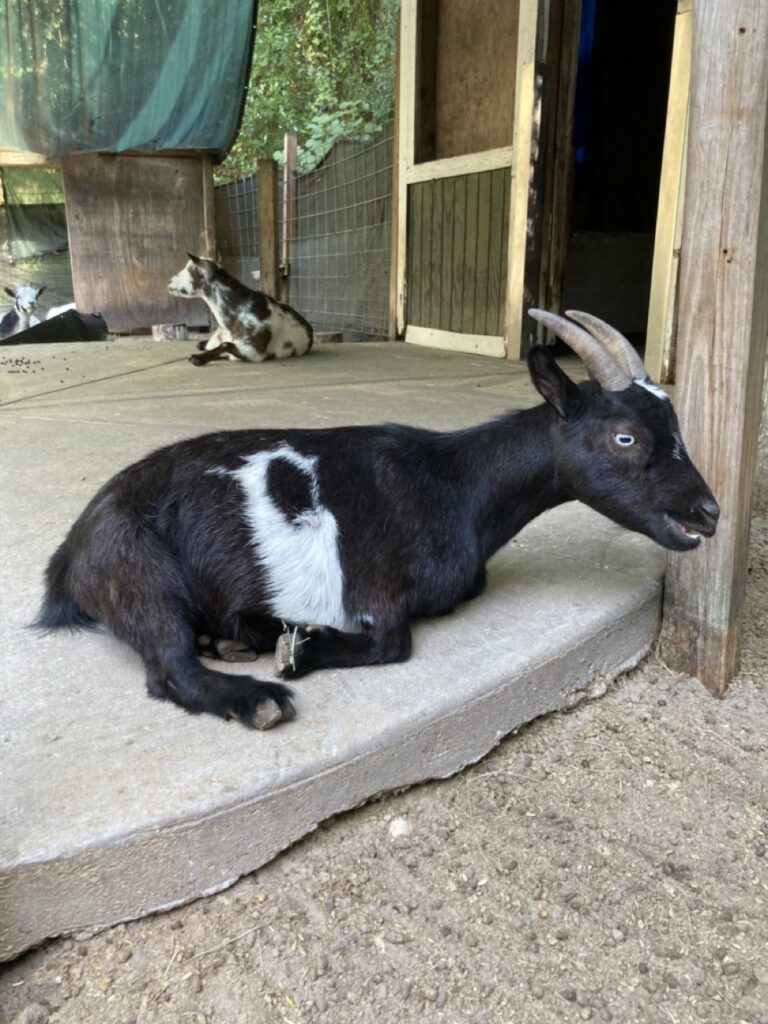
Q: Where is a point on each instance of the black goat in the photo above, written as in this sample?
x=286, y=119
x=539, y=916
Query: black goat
x=346, y=534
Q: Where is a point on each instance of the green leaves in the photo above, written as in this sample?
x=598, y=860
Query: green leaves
x=322, y=68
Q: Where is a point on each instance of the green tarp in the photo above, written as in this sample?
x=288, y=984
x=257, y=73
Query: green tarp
x=35, y=215
x=80, y=76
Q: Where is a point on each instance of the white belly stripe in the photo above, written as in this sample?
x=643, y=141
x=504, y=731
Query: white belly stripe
x=301, y=558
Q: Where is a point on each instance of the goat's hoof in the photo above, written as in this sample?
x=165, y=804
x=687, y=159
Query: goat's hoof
x=197, y=360
x=235, y=650
x=288, y=652
x=266, y=715
x=273, y=707
x=201, y=345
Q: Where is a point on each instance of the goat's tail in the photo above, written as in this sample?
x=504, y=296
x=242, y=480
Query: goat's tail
x=59, y=609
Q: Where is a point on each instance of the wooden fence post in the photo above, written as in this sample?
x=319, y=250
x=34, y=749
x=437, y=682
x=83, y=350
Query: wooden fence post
x=266, y=183
x=722, y=325
x=290, y=142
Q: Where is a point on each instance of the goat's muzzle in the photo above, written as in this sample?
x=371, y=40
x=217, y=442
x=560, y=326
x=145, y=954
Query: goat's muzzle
x=685, y=531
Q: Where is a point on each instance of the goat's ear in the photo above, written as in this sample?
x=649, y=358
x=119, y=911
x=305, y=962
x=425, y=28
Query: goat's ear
x=41, y=290
x=9, y=291
x=195, y=259
x=554, y=386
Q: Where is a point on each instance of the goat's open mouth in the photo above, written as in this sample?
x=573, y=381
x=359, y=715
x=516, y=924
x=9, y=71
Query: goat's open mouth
x=683, y=534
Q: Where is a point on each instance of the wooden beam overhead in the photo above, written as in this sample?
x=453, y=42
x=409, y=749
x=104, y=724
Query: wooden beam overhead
x=722, y=325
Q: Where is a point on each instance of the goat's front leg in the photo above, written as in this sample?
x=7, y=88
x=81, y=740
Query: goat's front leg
x=216, y=339
x=303, y=649
x=227, y=348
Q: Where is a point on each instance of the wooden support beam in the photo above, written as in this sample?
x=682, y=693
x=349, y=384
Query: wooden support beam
x=290, y=146
x=562, y=65
x=208, y=234
x=269, y=260
x=406, y=107
x=527, y=113
x=394, y=208
x=662, y=306
x=722, y=325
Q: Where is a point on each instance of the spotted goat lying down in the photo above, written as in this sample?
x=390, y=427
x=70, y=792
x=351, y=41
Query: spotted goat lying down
x=252, y=326
x=324, y=544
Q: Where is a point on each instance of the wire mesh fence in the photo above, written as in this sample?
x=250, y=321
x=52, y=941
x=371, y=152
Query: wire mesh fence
x=338, y=237
x=237, y=230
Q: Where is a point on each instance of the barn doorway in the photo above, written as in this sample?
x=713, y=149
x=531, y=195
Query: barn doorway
x=608, y=212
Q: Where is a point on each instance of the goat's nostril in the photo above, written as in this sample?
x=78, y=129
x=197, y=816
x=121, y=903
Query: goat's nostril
x=710, y=508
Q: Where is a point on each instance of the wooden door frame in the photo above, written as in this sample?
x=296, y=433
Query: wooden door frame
x=662, y=304
x=516, y=157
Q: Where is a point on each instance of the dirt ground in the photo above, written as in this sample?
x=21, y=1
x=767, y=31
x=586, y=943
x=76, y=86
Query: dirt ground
x=606, y=864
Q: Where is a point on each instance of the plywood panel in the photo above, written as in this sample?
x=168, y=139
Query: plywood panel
x=131, y=220
x=475, y=93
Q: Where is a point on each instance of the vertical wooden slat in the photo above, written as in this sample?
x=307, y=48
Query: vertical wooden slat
x=425, y=278
x=497, y=243
x=468, y=305
x=414, y=253
x=484, y=215
x=666, y=252
x=457, y=269
x=406, y=104
x=525, y=97
x=449, y=194
x=394, y=202
x=266, y=171
x=722, y=325
x=435, y=261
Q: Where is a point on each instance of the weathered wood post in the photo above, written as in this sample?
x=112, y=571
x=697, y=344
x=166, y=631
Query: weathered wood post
x=722, y=325
x=269, y=259
x=290, y=143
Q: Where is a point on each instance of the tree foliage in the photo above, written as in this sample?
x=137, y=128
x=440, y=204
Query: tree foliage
x=322, y=68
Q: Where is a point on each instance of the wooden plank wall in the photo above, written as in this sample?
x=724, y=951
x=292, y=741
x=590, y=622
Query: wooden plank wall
x=131, y=220
x=457, y=252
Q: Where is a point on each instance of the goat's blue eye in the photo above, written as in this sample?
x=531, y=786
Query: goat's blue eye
x=624, y=440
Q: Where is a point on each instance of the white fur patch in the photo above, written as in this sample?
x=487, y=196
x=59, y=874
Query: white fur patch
x=301, y=558
x=182, y=284
x=653, y=388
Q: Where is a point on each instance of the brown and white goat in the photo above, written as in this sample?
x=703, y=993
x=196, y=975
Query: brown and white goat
x=21, y=317
x=334, y=533
x=252, y=326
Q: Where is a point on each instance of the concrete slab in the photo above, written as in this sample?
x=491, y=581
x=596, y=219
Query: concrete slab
x=114, y=806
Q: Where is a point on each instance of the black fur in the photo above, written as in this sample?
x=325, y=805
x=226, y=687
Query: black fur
x=163, y=553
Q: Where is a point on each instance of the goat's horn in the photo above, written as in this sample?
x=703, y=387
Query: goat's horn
x=620, y=347
x=605, y=368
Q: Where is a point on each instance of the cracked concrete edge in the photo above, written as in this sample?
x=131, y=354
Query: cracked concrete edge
x=103, y=886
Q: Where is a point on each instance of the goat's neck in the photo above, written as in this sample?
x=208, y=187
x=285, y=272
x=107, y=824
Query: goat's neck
x=24, y=318
x=509, y=469
x=220, y=299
